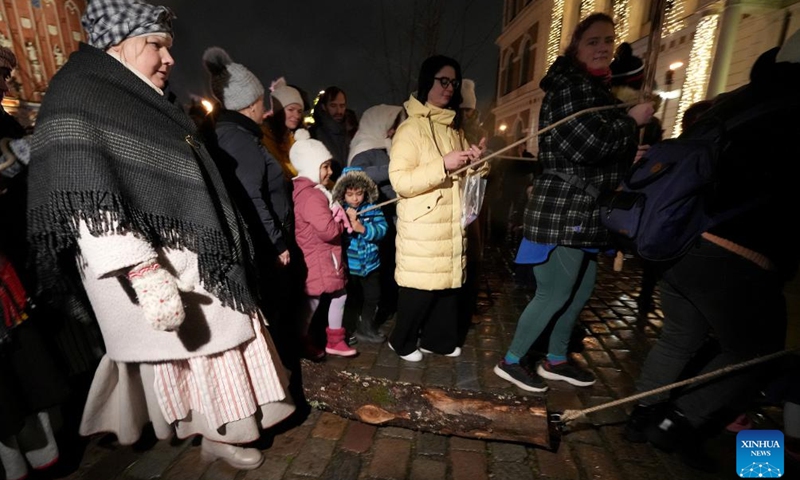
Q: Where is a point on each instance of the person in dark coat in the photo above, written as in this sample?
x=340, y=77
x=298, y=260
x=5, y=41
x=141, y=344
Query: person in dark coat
x=730, y=284
x=330, y=127
x=562, y=226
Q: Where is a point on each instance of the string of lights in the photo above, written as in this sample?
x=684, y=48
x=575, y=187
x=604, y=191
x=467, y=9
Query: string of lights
x=554, y=37
x=587, y=8
x=697, y=72
x=621, y=10
x=673, y=17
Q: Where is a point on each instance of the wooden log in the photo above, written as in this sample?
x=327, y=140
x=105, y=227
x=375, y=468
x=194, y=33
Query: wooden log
x=446, y=411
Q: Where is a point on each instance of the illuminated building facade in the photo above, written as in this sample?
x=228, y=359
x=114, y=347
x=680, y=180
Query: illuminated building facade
x=42, y=34
x=707, y=46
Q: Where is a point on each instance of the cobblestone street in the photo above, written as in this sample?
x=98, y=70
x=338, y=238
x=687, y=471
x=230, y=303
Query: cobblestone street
x=328, y=447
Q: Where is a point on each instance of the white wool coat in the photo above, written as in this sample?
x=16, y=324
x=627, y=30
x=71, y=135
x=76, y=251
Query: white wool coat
x=209, y=327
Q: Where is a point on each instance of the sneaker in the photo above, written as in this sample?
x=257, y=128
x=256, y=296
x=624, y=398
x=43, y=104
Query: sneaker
x=415, y=356
x=639, y=419
x=520, y=376
x=566, y=372
x=453, y=354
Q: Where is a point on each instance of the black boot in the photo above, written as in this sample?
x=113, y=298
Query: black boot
x=639, y=419
x=367, y=333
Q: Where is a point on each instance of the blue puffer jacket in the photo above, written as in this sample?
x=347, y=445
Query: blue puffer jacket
x=362, y=248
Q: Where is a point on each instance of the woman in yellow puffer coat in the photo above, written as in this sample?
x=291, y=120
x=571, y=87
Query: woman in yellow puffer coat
x=431, y=241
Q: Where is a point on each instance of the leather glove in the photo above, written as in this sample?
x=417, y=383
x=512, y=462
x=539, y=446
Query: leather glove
x=159, y=295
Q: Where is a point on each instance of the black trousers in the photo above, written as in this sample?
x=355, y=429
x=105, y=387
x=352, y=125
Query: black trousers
x=370, y=295
x=428, y=316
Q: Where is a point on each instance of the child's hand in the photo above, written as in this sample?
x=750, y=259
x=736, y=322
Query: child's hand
x=352, y=214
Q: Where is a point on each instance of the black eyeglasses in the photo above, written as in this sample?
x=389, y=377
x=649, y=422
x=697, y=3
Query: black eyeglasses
x=446, y=82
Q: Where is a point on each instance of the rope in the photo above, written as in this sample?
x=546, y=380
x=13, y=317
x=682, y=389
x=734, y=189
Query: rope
x=570, y=415
x=519, y=142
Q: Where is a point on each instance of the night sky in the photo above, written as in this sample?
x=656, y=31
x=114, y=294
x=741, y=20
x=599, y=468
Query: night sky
x=370, y=48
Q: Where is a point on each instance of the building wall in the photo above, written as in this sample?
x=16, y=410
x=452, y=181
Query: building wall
x=42, y=34
x=763, y=25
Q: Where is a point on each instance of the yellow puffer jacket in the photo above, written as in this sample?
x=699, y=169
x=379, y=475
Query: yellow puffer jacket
x=431, y=245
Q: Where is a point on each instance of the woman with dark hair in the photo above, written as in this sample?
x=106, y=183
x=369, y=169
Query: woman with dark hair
x=562, y=227
x=286, y=117
x=431, y=238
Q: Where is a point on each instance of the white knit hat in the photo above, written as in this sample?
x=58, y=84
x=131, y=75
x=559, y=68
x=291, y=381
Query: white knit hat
x=284, y=94
x=469, y=100
x=233, y=85
x=307, y=155
x=790, y=51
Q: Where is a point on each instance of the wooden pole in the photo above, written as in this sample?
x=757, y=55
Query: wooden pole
x=653, y=48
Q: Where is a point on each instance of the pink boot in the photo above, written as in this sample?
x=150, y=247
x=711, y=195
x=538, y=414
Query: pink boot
x=337, y=345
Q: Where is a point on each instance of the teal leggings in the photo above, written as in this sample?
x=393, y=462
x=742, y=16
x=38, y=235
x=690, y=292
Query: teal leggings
x=564, y=284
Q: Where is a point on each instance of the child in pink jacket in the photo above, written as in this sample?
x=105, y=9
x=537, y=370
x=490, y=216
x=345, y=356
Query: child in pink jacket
x=319, y=224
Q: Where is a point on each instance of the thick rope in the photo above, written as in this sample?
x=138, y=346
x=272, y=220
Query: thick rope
x=571, y=415
x=497, y=154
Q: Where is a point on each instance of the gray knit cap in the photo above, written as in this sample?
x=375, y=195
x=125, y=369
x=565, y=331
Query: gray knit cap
x=109, y=22
x=232, y=84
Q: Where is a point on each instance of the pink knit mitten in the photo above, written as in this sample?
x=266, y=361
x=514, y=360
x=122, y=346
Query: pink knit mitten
x=341, y=216
x=159, y=295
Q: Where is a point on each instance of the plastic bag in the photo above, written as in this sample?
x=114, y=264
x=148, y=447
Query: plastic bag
x=473, y=189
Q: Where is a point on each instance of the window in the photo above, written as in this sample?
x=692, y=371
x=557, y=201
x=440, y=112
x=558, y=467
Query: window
x=509, y=77
x=525, y=70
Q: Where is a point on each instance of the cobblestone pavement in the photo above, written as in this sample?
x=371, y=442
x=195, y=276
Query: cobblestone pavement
x=328, y=447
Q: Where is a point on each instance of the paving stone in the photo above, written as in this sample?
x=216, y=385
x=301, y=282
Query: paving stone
x=313, y=457
x=273, y=468
x=428, y=469
x=386, y=357
x=188, y=466
x=512, y=471
x=220, y=470
x=591, y=343
x=607, y=416
x=364, y=361
x=596, y=463
x=430, y=444
x=411, y=375
x=155, y=461
x=343, y=466
x=359, y=437
x=558, y=465
x=635, y=471
x=599, y=358
x=468, y=465
x=382, y=371
x=626, y=451
x=439, y=377
x=396, y=432
x=289, y=443
x=467, y=444
x=583, y=433
x=390, y=459
x=507, y=452
x=467, y=376
x=329, y=426
x=113, y=463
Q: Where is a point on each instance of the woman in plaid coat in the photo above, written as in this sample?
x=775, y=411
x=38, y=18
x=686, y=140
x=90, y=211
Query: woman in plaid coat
x=562, y=222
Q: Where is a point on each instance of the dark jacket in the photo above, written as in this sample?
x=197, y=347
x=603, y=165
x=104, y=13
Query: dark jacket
x=375, y=164
x=333, y=135
x=597, y=147
x=269, y=212
x=760, y=164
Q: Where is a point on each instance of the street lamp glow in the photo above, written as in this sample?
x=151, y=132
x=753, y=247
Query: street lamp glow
x=207, y=105
x=675, y=65
x=503, y=127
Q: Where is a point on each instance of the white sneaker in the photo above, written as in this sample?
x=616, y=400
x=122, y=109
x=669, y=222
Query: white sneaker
x=415, y=356
x=453, y=354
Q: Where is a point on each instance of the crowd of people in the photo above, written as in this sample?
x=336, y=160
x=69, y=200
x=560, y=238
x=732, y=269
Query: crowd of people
x=204, y=248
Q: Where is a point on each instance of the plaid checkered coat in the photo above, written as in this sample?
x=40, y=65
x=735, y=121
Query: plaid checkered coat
x=598, y=147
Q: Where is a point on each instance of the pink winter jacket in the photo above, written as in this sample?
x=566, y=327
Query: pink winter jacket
x=319, y=237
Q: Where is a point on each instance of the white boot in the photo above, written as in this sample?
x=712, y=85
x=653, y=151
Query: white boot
x=38, y=442
x=12, y=459
x=237, y=457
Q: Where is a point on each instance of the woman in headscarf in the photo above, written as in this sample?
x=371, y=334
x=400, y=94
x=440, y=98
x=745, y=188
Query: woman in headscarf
x=431, y=237
x=125, y=200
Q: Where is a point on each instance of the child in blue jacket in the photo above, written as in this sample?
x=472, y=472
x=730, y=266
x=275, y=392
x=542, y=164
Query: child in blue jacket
x=356, y=192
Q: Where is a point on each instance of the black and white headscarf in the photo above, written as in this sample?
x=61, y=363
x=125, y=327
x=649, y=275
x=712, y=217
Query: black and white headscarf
x=109, y=22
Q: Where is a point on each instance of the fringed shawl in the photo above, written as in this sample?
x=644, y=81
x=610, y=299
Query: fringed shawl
x=112, y=152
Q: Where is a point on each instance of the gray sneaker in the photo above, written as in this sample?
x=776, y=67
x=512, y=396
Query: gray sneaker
x=520, y=376
x=566, y=372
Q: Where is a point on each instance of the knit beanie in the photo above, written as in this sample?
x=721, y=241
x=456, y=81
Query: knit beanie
x=470, y=100
x=233, y=84
x=7, y=58
x=430, y=67
x=109, y=22
x=307, y=155
x=790, y=51
x=626, y=68
x=284, y=94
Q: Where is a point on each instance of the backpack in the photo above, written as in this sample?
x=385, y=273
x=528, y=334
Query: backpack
x=660, y=208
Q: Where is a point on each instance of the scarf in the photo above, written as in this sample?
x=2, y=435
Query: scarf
x=110, y=151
